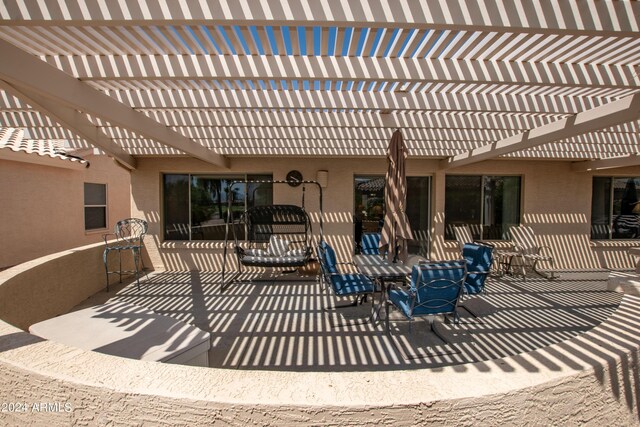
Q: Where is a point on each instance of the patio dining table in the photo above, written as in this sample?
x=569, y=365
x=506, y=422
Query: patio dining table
x=382, y=271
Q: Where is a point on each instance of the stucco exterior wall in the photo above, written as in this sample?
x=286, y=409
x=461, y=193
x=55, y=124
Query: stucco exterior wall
x=52, y=285
x=43, y=207
x=556, y=202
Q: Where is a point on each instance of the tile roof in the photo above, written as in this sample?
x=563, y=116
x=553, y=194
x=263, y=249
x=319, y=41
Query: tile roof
x=13, y=139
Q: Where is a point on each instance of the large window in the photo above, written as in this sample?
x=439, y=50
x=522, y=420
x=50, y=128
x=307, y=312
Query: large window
x=95, y=206
x=489, y=205
x=195, y=206
x=370, y=207
x=615, y=208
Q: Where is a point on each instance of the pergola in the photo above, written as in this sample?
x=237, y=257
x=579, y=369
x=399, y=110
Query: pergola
x=465, y=81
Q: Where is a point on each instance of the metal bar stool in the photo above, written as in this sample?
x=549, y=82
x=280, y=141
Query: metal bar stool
x=129, y=236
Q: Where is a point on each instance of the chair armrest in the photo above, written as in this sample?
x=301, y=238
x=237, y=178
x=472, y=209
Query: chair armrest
x=345, y=263
x=404, y=285
x=517, y=248
x=478, y=272
x=105, y=237
x=546, y=249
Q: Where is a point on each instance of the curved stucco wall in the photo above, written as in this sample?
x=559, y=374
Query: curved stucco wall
x=52, y=285
x=588, y=379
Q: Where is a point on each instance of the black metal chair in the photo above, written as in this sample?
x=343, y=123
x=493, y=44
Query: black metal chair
x=128, y=235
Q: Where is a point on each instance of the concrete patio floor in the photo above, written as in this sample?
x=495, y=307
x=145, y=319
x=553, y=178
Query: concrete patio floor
x=278, y=322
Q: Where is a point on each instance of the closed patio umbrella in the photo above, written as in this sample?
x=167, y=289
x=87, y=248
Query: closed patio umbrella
x=396, y=230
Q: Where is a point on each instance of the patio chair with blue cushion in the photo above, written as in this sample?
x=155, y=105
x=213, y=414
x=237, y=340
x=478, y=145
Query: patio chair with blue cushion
x=479, y=259
x=435, y=289
x=370, y=244
x=343, y=284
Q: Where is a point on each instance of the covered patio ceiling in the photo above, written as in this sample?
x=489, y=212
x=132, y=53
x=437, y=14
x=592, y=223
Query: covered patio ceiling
x=465, y=81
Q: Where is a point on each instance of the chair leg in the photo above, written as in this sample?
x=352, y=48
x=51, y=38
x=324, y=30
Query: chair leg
x=141, y=259
x=386, y=316
x=372, y=319
x=135, y=266
x=549, y=276
x=120, y=265
x=105, y=258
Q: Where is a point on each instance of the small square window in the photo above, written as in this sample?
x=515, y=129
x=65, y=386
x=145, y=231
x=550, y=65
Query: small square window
x=95, y=206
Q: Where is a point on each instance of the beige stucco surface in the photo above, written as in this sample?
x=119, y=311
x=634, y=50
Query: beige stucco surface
x=43, y=206
x=556, y=203
x=52, y=285
x=582, y=382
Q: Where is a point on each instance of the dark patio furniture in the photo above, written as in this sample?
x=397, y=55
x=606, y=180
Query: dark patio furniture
x=129, y=236
x=277, y=236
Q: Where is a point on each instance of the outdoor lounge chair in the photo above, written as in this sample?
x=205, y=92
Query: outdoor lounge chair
x=435, y=289
x=529, y=252
x=342, y=284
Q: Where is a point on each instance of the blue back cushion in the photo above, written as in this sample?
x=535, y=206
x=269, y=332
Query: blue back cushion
x=479, y=259
x=328, y=257
x=370, y=243
x=438, y=287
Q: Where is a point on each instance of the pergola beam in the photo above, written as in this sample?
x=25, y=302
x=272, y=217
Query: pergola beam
x=614, y=162
x=23, y=70
x=436, y=126
x=432, y=135
x=74, y=121
x=346, y=100
x=611, y=114
x=269, y=148
x=220, y=118
x=444, y=147
x=367, y=69
x=604, y=17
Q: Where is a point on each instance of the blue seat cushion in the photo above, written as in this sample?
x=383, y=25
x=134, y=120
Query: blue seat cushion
x=474, y=284
x=351, y=284
x=479, y=259
x=402, y=300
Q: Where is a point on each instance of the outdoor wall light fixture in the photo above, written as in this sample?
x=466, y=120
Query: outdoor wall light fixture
x=323, y=178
